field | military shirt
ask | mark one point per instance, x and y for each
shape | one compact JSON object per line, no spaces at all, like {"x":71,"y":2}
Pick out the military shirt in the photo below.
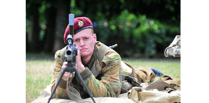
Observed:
{"x":101,"y":75}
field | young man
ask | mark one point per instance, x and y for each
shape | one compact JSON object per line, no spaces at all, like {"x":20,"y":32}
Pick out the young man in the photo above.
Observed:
{"x":98,"y":65}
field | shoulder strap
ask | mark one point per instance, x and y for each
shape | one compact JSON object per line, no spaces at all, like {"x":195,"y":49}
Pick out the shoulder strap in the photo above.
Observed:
{"x":73,"y":94}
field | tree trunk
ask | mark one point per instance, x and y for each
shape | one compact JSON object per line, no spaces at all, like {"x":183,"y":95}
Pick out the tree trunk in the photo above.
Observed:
{"x":27,"y":44}
{"x":61,"y":23}
{"x":34,"y":30}
{"x":49,"y":36}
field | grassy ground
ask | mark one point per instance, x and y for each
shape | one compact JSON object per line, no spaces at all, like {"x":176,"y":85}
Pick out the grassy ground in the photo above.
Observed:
{"x":39,"y":74}
{"x":167,"y":68}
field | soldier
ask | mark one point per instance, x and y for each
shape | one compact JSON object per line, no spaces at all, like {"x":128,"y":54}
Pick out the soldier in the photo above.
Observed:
{"x":98,"y":65}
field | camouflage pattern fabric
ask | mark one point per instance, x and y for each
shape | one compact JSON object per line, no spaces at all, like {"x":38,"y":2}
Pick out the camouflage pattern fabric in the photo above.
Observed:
{"x":101,"y":75}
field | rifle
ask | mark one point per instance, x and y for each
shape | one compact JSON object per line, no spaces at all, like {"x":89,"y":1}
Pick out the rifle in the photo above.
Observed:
{"x":70,"y":58}
{"x":132,"y":81}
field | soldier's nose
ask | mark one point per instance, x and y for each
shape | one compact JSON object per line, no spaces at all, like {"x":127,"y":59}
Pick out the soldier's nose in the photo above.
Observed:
{"x":82,"y":43}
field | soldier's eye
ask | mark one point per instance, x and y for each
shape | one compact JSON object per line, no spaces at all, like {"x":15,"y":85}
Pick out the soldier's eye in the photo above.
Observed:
{"x":76,"y":40}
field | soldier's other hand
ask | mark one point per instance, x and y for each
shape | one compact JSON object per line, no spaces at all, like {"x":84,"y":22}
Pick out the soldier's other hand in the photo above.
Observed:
{"x":79,"y":65}
{"x":66,"y":73}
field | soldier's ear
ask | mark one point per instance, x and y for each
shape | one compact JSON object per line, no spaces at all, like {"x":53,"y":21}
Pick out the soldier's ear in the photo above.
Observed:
{"x":95,"y":37}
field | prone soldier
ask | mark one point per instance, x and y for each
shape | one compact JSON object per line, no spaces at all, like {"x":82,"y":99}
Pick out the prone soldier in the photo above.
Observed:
{"x":100,"y":67}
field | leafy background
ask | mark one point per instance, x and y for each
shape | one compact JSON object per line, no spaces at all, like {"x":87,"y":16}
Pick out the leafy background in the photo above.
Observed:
{"x":141,"y":28}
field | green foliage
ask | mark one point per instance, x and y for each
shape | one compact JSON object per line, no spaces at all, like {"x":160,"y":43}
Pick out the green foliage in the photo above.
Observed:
{"x":42,"y":19}
{"x":144,"y":26}
{"x":103,"y":32}
{"x":137,"y":30}
{"x":74,"y":9}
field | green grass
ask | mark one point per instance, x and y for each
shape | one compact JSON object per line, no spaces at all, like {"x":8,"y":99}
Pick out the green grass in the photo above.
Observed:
{"x":39,"y":55}
{"x":39,"y":74}
{"x":167,"y":68}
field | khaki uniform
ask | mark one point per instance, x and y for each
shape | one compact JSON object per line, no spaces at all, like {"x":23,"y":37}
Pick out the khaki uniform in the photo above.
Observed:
{"x":101,"y":75}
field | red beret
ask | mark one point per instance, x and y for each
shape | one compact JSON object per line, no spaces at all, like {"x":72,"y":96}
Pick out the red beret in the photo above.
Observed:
{"x":80,"y":23}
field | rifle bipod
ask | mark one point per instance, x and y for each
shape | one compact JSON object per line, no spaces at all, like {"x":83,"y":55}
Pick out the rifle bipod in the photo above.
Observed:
{"x":71,"y":69}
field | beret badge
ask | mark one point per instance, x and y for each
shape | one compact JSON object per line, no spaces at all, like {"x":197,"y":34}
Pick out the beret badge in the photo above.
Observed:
{"x":80,"y":23}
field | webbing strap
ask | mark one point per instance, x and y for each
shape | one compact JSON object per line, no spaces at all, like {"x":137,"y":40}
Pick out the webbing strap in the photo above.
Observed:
{"x":73,"y":94}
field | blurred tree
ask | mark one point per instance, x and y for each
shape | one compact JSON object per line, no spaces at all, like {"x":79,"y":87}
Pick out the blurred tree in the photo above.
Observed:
{"x":32,"y":14}
{"x":46,"y":21}
{"x":63,"y":8}
{"x":99,"y":10}
{"x":167,"y":11}
{"x":49,"y":35}
{"x":146,"y":26}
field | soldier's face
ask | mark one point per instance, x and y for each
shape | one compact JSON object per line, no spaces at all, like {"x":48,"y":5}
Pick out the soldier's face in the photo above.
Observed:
{"x":85,"y":41}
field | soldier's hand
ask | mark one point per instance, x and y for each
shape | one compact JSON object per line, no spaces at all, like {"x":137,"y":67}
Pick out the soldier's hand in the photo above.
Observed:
{"x":66,"y":73}
{"x":79,"y":65}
